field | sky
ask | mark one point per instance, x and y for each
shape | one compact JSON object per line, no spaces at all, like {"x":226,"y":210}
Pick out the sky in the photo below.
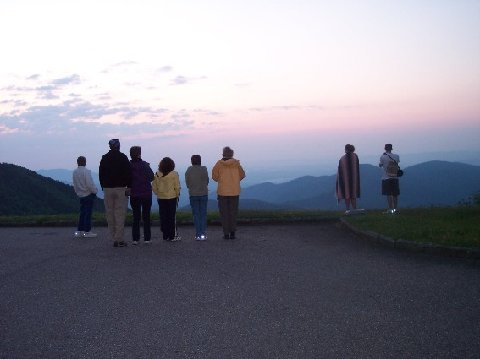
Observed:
{"x":285,"y":83}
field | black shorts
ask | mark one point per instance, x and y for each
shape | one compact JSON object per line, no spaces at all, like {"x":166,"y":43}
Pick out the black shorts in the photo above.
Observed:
{"x":390,"y":187}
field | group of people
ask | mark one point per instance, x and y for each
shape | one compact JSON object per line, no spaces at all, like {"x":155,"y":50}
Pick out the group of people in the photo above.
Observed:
{"x":121,"y":179}
{"x":348,"y":178}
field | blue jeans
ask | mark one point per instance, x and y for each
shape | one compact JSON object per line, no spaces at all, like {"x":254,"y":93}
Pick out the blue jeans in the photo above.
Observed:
{"x":199,"y":211}
{"x":85,"y":218}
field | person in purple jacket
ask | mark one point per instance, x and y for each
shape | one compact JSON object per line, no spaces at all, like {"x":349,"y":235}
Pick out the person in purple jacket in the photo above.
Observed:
{"x":140,"y":195}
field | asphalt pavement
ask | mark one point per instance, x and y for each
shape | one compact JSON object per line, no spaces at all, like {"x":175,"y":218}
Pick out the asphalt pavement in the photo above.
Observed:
{"x":277,"y":291}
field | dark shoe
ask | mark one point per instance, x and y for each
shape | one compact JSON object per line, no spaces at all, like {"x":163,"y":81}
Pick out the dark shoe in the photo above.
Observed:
{"x":226,"y":236}
{"x":122,"y":244}
{"x":115,"y":244}
{"x":232,"y":235}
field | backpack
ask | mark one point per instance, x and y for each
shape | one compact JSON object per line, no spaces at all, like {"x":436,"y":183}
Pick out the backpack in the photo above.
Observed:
{"x":392,"y":168}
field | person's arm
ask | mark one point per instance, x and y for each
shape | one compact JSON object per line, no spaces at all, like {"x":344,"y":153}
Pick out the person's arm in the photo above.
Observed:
{"x":205,"y":175}
{"x":187,"y":178}
{"x":148,"y":171}
{"x":155,"y":184}
{"x":89,"y":182}
{"x":241,"y":171}
{"x":101,"y":174}
{"x":215,"y":173}
{"x":177,"y":185}
{"x":127,"y":168}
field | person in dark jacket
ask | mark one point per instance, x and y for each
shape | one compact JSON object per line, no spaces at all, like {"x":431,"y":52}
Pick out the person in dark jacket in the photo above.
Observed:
{"x":140,"y":195}
{"x":115,"y":177}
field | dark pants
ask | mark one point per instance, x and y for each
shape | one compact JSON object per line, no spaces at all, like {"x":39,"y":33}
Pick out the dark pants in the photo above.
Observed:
{"x":141,"y":211}
{"x":390,"y":187}
{"x":168,"y":210}
{"x":228,"y":208}
{"x":85,"y":218}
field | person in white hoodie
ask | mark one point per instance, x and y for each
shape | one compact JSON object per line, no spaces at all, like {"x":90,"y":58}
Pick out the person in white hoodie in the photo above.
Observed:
{"x":87,"y":192}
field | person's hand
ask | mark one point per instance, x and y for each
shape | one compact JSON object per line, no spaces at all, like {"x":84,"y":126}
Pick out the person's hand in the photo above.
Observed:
{"x":128,"y":191}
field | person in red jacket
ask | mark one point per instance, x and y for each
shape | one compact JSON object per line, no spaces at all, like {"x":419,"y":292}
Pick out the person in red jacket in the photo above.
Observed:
{"x":228,"y":173}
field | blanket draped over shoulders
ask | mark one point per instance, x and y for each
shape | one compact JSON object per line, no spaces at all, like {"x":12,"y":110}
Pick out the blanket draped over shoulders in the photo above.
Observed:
{"x":348,"y":177}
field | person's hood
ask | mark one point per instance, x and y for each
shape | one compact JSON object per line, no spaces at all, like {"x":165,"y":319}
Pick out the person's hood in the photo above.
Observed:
{"x":230,"y":162}
{"x":160,"y":174}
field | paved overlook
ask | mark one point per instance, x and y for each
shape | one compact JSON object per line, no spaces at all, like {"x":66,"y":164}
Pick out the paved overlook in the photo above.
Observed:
{"x":278,"y":291}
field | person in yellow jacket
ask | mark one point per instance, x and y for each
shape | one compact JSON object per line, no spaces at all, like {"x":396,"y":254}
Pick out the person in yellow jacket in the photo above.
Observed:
{"x":166,"y":185}
{"x":228,"y":173}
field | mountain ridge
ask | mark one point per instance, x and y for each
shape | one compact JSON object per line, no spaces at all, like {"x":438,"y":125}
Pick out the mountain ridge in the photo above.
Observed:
{"x":24,"y":192}
{"x":432,"y":183}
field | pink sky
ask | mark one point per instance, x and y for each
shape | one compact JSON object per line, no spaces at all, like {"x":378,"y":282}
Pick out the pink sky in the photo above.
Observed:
{"x":291,"y":80}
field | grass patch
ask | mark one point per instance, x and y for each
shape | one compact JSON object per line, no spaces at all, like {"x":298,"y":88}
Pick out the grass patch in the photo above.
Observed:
{"x":457,"y":227}
{"x":183,"y":217}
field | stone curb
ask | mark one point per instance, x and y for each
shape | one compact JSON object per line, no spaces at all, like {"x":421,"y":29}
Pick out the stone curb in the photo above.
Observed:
{"x":420,"y":247}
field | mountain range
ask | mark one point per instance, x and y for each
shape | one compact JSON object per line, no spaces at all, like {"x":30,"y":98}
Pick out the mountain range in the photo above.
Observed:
{"x":24,"y":192}
{"x":433,"y":183}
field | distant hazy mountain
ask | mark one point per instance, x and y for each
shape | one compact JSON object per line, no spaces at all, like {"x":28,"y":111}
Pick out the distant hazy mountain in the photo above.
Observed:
{"x":24,"y":192}
{"x":433,"y":183}
{"x":61,"y":175}
{"x":65,"y":176}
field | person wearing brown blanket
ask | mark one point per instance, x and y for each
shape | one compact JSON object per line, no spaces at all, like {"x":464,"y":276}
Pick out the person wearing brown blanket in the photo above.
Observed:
{"x":348,"y":178}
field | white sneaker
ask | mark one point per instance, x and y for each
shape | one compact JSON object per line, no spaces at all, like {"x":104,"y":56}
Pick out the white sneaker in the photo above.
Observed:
{"x":89,"y":235}
{"x":78,"y":234}
{"x":135,"y":243}
{"x":203,"y":237}
{"x":176,"y":239}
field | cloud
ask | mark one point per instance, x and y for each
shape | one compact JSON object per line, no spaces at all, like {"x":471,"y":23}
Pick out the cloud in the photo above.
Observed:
{"x":15,"y":103}
{"x":119,"y":65}
{"x":77,"y":113}
{"x":33,"y":77}
{"x":164,"y":69}
{"x":179,"y":80}
{"x":73,"y":79}
{"x":182,"y":80}
{"x":47,"y":92}
{"x":207,"y":112}
{"x":125,"y":64}
{"x":4,"y":130}
{"x":44,"y":90}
